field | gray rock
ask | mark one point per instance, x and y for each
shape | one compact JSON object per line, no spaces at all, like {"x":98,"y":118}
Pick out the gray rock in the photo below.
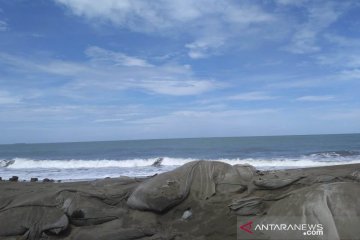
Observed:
{"x":100,"y":209}
{"x":34,"y":179}
{"x":187,"y":215}
{"x":112,"y":230}
{"x":32,"y":221}
{"x":246,"y":171}
{"x":324,"y":178}
{"x":275,"y":183}
{"x":48,"y":180}
{"x":14,"y":179}
{"x":201,"y":179}
{"x":334,"y":205}
{"x":247,"y":206}
{"x":158,"y":162}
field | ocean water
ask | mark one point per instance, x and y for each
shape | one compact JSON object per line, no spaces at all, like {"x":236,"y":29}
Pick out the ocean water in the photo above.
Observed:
{"x":91,"y":160}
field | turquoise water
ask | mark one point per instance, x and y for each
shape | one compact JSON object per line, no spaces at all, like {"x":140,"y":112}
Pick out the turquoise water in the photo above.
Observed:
{"x":89,"y":160}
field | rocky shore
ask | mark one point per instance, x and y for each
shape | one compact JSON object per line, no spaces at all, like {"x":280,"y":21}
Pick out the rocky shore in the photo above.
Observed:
{"x":200,"y":200}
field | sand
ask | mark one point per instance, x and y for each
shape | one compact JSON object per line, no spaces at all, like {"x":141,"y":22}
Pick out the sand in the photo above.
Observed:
{"x":199,"y":200}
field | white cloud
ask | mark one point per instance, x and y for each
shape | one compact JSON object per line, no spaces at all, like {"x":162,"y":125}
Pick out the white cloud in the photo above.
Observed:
{"x":343,"y":41}
{"x":209,"y":23}
{"x":324,"y":98}
{"x":32,"y":112}
{"x":291,"y":2}
{"x":212,"y":25}
{"x":350,"y":74}
{"x":290,"y":81}
{"x":320,"y":15}
{"x":202,"y":48}
{"x":206,"y":123}
{"x":223,"y":113}
{"x":200,"y":117}
{"x":3,"y":26}
{"x":110,"y":70}
{"x":252,"y":96}
{"x":8,"y":99}
{"x":105,"y":120}
{"x":349,"y":59}
{"x":116,"y":58}
{"x":147,"y":16}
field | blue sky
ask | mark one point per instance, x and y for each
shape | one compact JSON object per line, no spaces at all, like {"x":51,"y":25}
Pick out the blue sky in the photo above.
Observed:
{"x":82,"y":70}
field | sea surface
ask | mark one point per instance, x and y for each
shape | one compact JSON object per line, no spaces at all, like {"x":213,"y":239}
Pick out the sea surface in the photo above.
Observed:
{"x":91,"y":160}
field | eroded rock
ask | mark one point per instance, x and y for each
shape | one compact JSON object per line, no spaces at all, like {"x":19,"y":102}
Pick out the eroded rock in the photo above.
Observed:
{"x":275,"y":183}
{"x":32,"y":221}
{"x":247,"y":206}
{"x":201,"y":179}
{"x":334,"y":205}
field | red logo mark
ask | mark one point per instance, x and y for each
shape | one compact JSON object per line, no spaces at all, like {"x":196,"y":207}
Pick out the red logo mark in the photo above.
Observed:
{"x":247,"y":227}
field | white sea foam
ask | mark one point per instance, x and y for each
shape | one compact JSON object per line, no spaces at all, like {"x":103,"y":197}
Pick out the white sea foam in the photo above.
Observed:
{"x":305,"y":161}
{"x":74,"y":170}
{"x":22,"y":163}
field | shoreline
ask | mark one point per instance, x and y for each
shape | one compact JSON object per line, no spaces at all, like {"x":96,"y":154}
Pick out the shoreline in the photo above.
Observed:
{"x":151,"y":170}
{"x":200,"y":198}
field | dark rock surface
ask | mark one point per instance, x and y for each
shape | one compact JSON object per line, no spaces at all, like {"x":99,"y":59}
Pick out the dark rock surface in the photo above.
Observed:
{"x":34,"y":179}
{"x":14,"y":179}
{"x":48,"y":180}
{"x":157,"y":162}
{"x":197,"y":201}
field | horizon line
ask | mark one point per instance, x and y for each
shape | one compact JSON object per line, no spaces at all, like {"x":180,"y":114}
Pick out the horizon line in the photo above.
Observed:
{"x":180,"y":138}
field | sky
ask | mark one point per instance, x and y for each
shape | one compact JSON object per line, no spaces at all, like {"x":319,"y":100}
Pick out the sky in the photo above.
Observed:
{"x":84,"y":70}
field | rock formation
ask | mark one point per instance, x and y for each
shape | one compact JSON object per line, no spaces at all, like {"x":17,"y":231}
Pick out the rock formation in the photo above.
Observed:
{"x":199,"y":200}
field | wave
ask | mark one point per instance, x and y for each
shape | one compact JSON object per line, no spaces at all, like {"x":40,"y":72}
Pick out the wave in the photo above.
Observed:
{"x":22,"y":163}
{"x":334,"y":154}
{"x":303,"y":161}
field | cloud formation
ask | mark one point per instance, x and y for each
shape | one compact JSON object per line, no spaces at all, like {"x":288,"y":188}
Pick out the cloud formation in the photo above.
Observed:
{"x":320,"y":15}
{"x":207,"y":23}
{"x":117,"y":71}
{"x":211,"y":25}
{"x":7,"y":98}
{"x":324,"y":98}
{"x":252,"y":96}
{"x":118,"y":59}
{"x":3,"y":26}
{"x":149,"y":16}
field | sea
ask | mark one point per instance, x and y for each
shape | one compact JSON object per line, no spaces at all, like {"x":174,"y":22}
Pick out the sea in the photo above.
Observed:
{"x":93,"y":160}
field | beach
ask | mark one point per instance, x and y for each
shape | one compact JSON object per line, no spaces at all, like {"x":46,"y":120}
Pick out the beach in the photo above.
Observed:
{"x":200,"y":200}
{"x":77,"y":161}
{"x":179,"y":120}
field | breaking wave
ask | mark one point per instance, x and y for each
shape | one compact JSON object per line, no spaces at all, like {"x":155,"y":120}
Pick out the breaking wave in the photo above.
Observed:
{"x":335,"y":154}
{"x":311,"y":160}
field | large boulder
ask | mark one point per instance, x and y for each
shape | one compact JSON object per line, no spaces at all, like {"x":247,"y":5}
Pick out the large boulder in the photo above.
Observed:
{"x":33,"y":210}
{"x":32,"y":221}
{"x":334,"y":205}
{"x":200,"y":179}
